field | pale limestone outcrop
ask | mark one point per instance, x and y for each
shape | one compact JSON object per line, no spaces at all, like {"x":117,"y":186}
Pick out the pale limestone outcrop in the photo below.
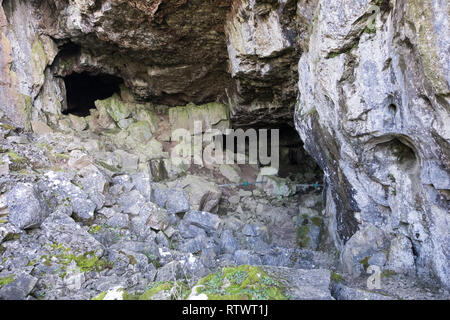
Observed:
{"x":261,"y":42}
{"x":371,"y":87}
{"x":24,"y":57}
{"x":373,"y":112}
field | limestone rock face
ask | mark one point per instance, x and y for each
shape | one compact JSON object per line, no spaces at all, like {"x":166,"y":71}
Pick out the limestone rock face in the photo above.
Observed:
{"x":174,"y":52}
{"x":24,"y":57}
{"x":27,"y":208}
{"x":373,"y":112}
{"x":366,"y":83}
{"x":262,"y":41}
{"x":168,"y":50}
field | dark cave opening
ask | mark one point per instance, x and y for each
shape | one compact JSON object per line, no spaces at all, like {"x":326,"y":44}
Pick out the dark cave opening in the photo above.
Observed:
{"x":294,"y":162}
{"x":83,"y":89}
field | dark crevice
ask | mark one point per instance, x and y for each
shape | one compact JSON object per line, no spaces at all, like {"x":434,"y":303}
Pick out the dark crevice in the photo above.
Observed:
{"x":294,"y":162}
{"x":69,"y":49}
{"x":393,"y":108}
{"x":83,"y":89}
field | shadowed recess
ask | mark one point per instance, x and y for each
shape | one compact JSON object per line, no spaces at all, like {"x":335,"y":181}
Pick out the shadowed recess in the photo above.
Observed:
{"x":83,"y":89}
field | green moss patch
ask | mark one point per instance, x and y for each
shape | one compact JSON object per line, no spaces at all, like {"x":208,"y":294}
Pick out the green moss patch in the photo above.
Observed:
{"x":176,"y":290}
{"x":101,"y":296}
{"x":241,"y":283}
{"x":336,"y":277}
{"x":303,"y":238}
{"x":15,"y":157}
{"x":388,"y":273}
{"x":7,"y":280}
{"x":94,"y":229}
{"x":63,"y":256}
{"x":365,"y":262}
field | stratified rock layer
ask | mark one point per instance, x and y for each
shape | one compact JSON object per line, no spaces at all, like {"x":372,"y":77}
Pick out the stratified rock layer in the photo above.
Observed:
{"x":373,"y":112}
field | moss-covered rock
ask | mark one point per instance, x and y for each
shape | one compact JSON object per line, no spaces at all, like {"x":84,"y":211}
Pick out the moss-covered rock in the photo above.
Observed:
{"x":277,"y":187}
{"x":64,"y":256}
{"x":239,"y":283}
{"x":212,"y":116}
{"x":139,"y":132}
{"x":164,"y":290}
{"x":148,"y":116}
{"x":115,"y":107}
{"x":303,"y":238}
{"x":7,"y":280}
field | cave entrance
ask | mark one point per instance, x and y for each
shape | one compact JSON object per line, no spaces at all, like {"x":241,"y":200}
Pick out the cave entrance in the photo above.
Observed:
{"x":294,"y":162}
{"x":83,"y":89}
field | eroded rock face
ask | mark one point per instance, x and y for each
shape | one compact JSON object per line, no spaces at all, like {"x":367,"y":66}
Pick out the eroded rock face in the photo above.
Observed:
{"x":173,"y":51}
{"x":373,"y":112}
{"x":24,"y":57}
{"x":370,"y":92}
{"x":261,"y":41}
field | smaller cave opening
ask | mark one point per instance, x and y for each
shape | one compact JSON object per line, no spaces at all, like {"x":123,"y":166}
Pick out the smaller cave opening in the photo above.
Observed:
{"x":403,"y":154}
{"x":83,"y":89}
{"x":397,"y":152}
{"x":294,"y":162}
{"x":393,"y":109}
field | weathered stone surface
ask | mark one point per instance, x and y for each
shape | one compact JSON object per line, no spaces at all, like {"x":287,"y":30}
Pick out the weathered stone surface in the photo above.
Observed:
{"x":205,"y":220}
{"x":401,"y":256}
{"x":276,"y":186}
{"x":228,"y":243}
{"x":19,"y":85}
{"x":372,"y":112}
{"x":261,"y":42}
{"x":303,"y":284}
{"x":203,"y":195}
{"x":342,"y":292}
{"x":176,"y":202}
{"x":136,"y":37}
{"x":210,"y":116}
{"x":27,"y":208}
{"x":232,"y":173}
{"x":62,"y":229}
{"x":158,"y":218}
{"x":372,"y":108}
{"x":72,"y":196}
{"x":361,"y":247}
{"x":19,"y":289}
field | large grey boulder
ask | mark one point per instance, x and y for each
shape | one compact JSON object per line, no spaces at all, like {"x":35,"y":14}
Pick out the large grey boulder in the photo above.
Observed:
{"x":228,"y":244}
{"x":62,"y":229}
{"x":158,"y":218}
{"x":177,"y":202}
{"x":173,"y":200}
{"x":63,"y":191}
{"x":202,"y":194}
{"x":132,"y":202}
{"x":27,"y":208}
{"x":205,"y":220}
{"x":303,"y":284}
{"x":19,"y":288}
{"x":343,"y":292}
{"x":360,"y":250}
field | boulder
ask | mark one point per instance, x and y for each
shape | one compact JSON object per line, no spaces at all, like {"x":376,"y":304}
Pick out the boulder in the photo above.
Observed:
{"x":20,"y":287}
{"x":204,"y":220}
{"x":27,"y":208}
{"x":203,"y":195}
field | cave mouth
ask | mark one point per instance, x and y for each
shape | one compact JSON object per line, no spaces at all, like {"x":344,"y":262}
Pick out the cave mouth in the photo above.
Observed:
{"x":83,"y":89}
{"x":294,"y":162}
